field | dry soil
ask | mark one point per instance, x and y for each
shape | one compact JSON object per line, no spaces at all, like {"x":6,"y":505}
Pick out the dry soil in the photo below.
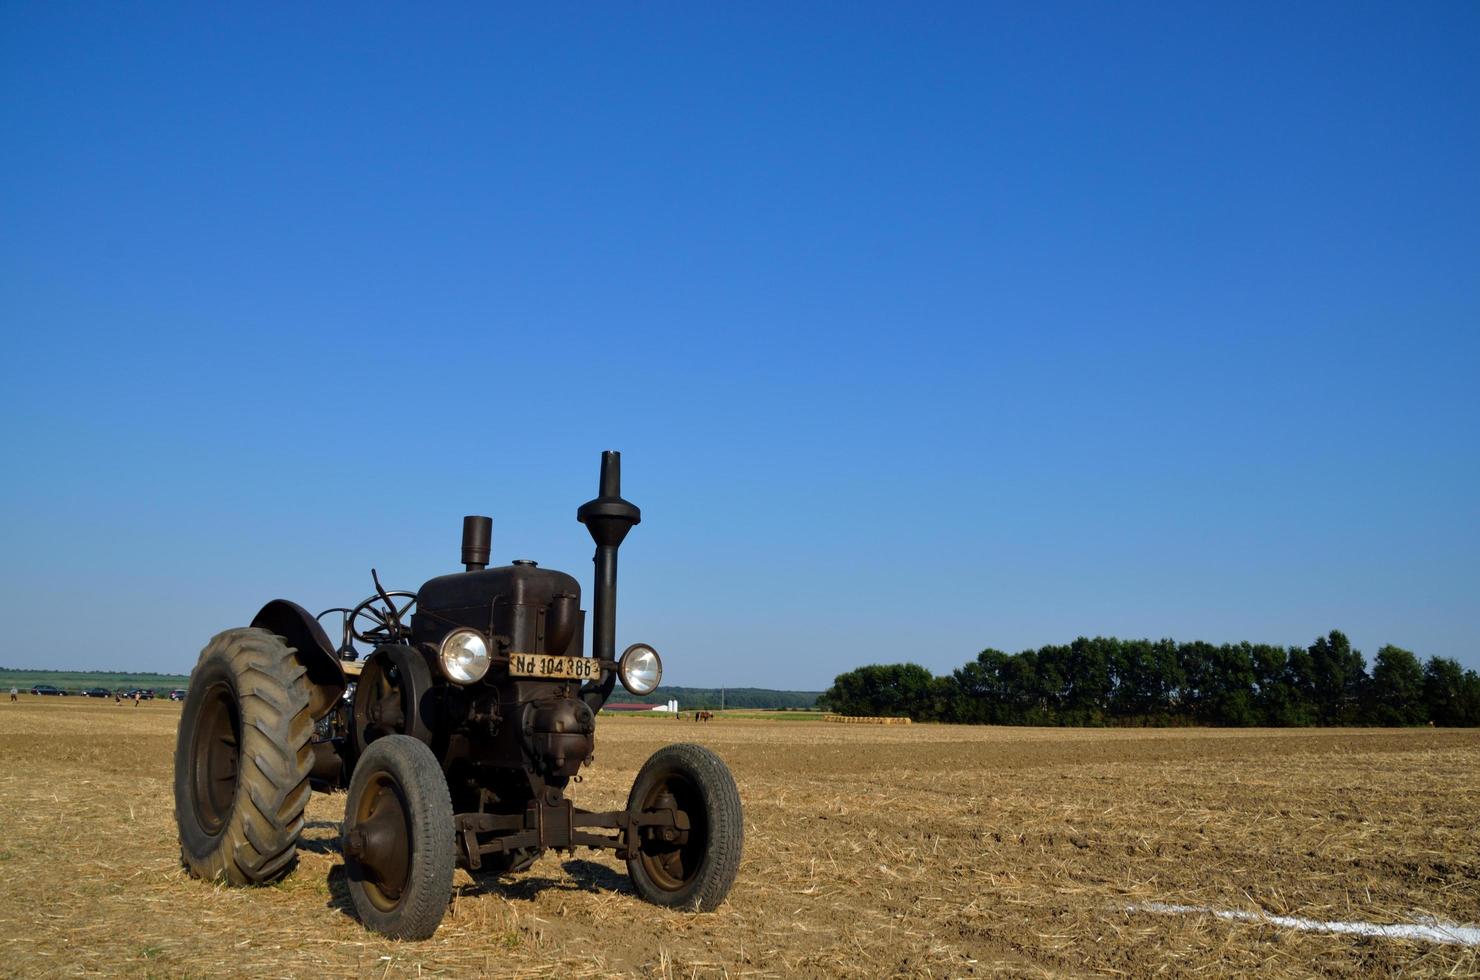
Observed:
{"x":869,"y":851}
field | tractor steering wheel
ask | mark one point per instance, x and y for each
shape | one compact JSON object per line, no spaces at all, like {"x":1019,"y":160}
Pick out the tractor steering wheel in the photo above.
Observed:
{"x":382,"y":617}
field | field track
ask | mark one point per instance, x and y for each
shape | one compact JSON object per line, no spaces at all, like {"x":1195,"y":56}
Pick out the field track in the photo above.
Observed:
{"x":870,"y":850}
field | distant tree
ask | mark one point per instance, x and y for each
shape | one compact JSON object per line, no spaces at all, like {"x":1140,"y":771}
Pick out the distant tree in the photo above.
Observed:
{"x":979,"y":697}
{"x":1106,"y":680}
{"x":1088,"y":681}
{"x":1196,"y":661}
{"x":1018,"y":689}
{"x":1469,"y":699}
{"x":1228,"y":696}
{"x":943,"y":699}
{"x":1033,"y":682}
{"x":1273,"y":695}
{"x":885,"y":689}
{"x":1339,"y":674}
{"x":1300,"y":688}
{"x":1395,"y":693}
{"x":849,"y":694}
{"x":1146,"y":677}
{"x":1444,"y":692}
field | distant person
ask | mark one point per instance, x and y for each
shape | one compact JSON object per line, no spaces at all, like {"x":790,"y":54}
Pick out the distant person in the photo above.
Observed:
{"x":117,"y":698}
{"x":137,"y":698}
{"x":13,"y":693}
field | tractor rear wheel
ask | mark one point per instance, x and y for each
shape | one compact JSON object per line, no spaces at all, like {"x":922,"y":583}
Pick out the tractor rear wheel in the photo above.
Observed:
{"x":690,"y":868}
{"x":398,"y":838}
{"x":242,"y":758}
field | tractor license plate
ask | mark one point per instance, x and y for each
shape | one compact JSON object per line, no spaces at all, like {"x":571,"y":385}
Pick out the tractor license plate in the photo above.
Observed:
{"x":539,"y":665}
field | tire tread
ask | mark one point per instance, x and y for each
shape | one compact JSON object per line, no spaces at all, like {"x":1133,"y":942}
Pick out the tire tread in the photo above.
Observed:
{"x":725,"y":820}
{"x":259,"y":841}
{"x":429,"y":887}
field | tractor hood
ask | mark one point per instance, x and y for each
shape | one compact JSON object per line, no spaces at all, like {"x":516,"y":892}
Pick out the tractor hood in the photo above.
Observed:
{"x":532,"y":609}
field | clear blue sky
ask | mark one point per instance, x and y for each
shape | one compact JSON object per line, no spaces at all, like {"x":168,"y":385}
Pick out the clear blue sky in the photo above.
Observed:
{"x":921,"y":330}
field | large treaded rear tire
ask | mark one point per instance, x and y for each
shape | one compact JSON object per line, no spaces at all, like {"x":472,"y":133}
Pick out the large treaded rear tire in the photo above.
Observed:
{"x":696,"y":874}
{"x":242,"y":759}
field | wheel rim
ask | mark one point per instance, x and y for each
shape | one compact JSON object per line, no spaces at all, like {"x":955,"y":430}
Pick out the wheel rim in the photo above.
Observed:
{"x":382,"y":703}
{"x":381,"y":835}
{"x":216,"y":756}
{"x":673,"y":864}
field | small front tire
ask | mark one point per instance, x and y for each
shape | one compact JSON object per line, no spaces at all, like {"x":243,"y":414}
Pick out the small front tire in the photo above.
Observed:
{"x":398,"y":839}
{"x":694,"y":871}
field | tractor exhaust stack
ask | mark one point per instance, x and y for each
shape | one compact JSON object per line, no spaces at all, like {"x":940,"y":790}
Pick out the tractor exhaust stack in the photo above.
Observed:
{"x":608,"y":518}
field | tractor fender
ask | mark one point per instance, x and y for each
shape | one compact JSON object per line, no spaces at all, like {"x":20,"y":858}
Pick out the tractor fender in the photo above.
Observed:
{"x":312,"y":649}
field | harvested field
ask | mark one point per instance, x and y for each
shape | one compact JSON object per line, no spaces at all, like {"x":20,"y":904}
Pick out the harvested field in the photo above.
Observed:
{"x":871,"y":850}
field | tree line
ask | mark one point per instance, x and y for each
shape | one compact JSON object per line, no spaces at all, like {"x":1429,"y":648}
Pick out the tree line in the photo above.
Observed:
{"x":712,"y":698}
{"x":1108,"y":681}
{"x":77,"y":680}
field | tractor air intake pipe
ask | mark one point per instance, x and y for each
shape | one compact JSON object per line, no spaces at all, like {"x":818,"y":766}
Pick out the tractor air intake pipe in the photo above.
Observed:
{"x":477,"y":542}
{"x":608,"y":518}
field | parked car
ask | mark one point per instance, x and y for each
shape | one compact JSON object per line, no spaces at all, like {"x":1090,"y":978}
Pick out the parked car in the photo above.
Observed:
{"x":48,"y":689}
{"x":177,"y":695}
{"x":96,"y":692}
{"x":143,"y":693}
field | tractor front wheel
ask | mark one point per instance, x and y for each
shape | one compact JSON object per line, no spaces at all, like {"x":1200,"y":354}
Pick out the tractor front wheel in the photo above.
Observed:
{"x":242,"y":758}
{"x":398,"y":838}
{"x":688,"y":867}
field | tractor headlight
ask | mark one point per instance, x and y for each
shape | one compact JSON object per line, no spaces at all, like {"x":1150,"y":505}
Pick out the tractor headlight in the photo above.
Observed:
{"x":464,"y":656}
{"x":640,"y":669}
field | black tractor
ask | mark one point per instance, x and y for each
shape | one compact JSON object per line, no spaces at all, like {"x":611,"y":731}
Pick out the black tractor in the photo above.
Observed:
{"x":456,"y":736}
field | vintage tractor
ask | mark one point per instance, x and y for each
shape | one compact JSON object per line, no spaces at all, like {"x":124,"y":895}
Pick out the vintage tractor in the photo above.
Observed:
{"x":456,"y":737}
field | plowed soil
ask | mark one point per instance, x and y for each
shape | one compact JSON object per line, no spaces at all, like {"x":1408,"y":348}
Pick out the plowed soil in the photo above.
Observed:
{"x":870,"y":851}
